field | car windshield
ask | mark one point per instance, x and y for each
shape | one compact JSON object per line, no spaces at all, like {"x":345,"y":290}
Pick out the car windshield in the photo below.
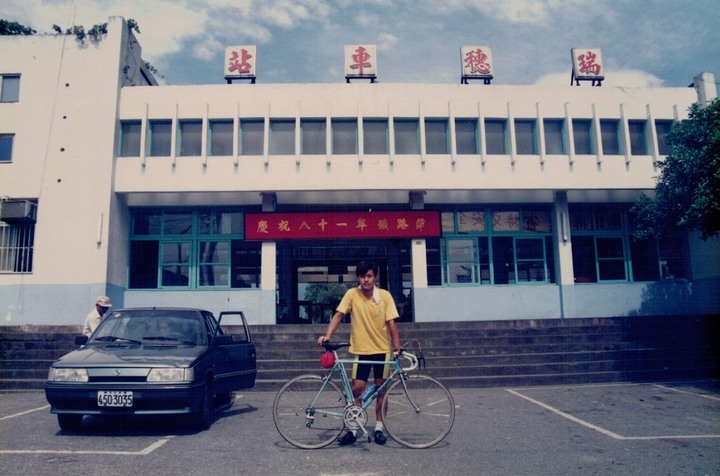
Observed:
{"x":146,"y":328}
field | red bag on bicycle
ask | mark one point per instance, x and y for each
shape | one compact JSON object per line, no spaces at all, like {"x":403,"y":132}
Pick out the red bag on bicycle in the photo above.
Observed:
{"x":327,"y":360}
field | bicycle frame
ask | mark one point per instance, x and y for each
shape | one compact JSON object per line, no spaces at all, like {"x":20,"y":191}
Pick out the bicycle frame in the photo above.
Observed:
{"x":339,"y":367}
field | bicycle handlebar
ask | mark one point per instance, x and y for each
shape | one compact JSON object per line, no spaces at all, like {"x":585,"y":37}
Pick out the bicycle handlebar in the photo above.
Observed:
{"x":407,"y":355}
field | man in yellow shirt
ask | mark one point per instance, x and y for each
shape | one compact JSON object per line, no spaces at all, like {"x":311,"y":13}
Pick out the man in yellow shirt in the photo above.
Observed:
{"x":372,"y":330}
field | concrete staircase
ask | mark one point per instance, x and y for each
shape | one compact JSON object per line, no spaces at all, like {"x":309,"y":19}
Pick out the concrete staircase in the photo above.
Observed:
{"x":460,"y":354}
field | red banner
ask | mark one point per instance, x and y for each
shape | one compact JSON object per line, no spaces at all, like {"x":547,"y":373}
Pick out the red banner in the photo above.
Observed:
{"x":332,"y":225}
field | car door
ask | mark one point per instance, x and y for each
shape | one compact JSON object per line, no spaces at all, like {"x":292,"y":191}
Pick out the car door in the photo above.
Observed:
{"x":234,"y":358}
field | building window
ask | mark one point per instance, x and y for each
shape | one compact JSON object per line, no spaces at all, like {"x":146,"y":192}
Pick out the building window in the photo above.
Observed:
{"x":609,"y":136}
{"x":10,"y":91}
{"x":16,"y":247}
{"x":525,"y":143}
{"x":6,"y":147}
{"x":493,"y":246}
{"x":662,"y":129}
{"x":130,"y":138}
{"x":282,"y":136}
{"x":466,"y":138}
{"x":194,"y":249}
{"x":190,"y":139}
{"x":599,"y":243}
{"x":582,"y":137}
{"x":344,"y":136}
{"x":160,"y":138}
{"x":495,"y":136}
{"x":221,"y":137}
{"x":406,"y":136}
{"x":436,"y":136}
{"x":375,"y":136}
{"x":638,"y":144}
{"x":554,"y":137}
{"x":252,"y":136}
{"x":314,"y":136}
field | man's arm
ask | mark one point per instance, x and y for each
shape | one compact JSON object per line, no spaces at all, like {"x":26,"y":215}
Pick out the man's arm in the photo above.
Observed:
{"x":394,"y":334}
{"x":332,"y":327}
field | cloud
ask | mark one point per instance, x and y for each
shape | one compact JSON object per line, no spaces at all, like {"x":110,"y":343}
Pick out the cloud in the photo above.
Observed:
{"x":514,"y":11}
{"x":386,"y":41}
{"x":629,"y":78}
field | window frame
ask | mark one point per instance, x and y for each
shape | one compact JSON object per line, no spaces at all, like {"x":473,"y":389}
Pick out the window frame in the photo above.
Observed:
{"x":222,"y":138}
{"x":344,"y":141}
{"x":663,"y":128}
{"x":248,"y":143}
{"x":162,"y":145}
{"x":17,"y":248}
{"x":313,"y":136}
{"x":637,"y":131}
{"x":437,"y":140}
{"x":492,"y":145}
{"x":583,"y":143}
{"x":375,"y":140}
{"x":130,"y":138}
{"x":554,"y":132}
{"x":10,"y":88}
{"x":406,"y":131}
{"x":464,"y":136}
{"x":7,"y":144}
{"x":610,"y":136}
{"x":282,"y":136}
{"x":526,"y":144}
{"x":190,"y":133}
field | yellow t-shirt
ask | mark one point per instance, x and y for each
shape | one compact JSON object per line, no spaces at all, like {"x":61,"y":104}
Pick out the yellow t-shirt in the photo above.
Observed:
{"x":368,"y":324}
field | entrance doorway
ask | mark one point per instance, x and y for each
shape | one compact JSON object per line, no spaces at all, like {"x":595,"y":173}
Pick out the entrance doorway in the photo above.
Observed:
{"x":313,"y":276}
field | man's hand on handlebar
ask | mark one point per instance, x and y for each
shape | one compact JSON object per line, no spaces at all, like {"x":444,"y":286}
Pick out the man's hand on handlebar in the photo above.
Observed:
{"x":321,"y":340}
{"x":397,"y":353}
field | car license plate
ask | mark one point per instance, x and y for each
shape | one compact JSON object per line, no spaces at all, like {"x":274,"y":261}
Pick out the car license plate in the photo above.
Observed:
{"x":114,"y":399}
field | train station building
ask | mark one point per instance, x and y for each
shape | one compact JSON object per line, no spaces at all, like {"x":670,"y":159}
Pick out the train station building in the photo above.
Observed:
{"x":478,"y":200}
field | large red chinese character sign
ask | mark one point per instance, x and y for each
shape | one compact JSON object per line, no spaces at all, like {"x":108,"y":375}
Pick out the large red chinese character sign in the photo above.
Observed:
{"x":335,"y":225}
{"x":476,"y":63}
{"x":240,"y":62}
{"x":587,"y":66}
{"x":360,"y":61}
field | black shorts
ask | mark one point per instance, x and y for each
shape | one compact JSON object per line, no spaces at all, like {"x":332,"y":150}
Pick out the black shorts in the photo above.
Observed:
{"x":362,"y":371}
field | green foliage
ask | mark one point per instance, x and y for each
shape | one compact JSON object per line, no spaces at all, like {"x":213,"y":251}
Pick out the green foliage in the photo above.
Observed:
{"x":320,"y":293}
{"x":687,"y":194}
{"x":9,"y":28}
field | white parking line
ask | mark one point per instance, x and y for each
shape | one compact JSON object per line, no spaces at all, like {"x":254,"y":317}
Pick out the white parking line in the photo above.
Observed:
{"x":25,"y":412}
{"x":145,"y":451}
{"x":710,"y":397}
{"x":603,"y":430}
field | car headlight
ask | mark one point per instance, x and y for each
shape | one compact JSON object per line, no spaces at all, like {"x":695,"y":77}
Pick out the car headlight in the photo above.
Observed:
{"x":67,"y":375}
{"x":171,"y":375}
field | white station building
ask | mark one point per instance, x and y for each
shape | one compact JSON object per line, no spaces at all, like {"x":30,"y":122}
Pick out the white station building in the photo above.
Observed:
{"x":479,"y":201}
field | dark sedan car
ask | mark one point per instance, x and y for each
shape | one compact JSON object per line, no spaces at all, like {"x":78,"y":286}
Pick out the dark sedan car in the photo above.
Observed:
{"x":155,"y":361}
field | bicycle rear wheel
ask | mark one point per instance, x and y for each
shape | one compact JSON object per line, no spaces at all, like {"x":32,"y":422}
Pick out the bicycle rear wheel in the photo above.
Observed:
{"x":301,"y":411}
{"x":420,"y":417}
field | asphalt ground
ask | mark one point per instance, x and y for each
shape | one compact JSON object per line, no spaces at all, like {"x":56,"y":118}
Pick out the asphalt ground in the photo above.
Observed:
{"x":635,"y":429}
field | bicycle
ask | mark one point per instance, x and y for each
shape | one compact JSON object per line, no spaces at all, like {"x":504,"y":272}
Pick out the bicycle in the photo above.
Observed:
{"x":310,"y":411}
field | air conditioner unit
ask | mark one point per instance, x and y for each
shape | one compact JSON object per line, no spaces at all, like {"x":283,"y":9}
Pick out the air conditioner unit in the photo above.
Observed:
{"x":18,"y":211}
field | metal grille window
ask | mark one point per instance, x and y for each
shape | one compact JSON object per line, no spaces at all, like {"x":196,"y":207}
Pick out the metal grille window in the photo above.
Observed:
{"x":16,"y":248}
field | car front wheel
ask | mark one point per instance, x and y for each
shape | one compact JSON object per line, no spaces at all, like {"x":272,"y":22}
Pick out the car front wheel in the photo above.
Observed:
{"x":201,"y":419}
{"x":69,"y":422}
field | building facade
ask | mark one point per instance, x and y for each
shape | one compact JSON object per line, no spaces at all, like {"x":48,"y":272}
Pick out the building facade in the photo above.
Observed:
{"x":479,"y":202}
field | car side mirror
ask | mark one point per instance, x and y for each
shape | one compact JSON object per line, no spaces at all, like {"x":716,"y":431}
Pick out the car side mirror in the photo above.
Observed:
{"x":81,"y":340}
{"x":223,"y":339}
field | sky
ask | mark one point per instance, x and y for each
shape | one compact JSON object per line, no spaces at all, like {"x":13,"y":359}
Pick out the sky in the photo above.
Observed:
{"x":644,"y":43}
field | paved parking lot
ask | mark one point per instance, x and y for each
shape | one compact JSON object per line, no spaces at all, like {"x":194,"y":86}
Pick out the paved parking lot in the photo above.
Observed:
{"x":669,"y":428}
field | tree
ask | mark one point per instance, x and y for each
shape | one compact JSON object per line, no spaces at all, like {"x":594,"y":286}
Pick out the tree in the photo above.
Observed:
{"x":687,"y":193}
{"x":14,"y":28}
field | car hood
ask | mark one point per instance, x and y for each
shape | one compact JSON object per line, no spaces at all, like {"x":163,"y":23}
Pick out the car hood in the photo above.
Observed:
{"x":113,"y":355}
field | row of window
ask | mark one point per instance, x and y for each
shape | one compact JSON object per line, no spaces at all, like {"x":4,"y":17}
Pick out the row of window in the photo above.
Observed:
{"x":9,"y":92}
{"x":516,"y":247}
{"x":345,"y":136}
{"x":204,"y":248}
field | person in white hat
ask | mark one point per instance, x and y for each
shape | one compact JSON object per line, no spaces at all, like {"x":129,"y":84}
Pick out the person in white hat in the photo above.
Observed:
{"x":102,"y":304}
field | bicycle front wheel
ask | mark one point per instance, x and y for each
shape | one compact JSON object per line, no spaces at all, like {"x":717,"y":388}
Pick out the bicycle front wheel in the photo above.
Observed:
{"x":419,"y":414}
{"x":308,"y":411}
